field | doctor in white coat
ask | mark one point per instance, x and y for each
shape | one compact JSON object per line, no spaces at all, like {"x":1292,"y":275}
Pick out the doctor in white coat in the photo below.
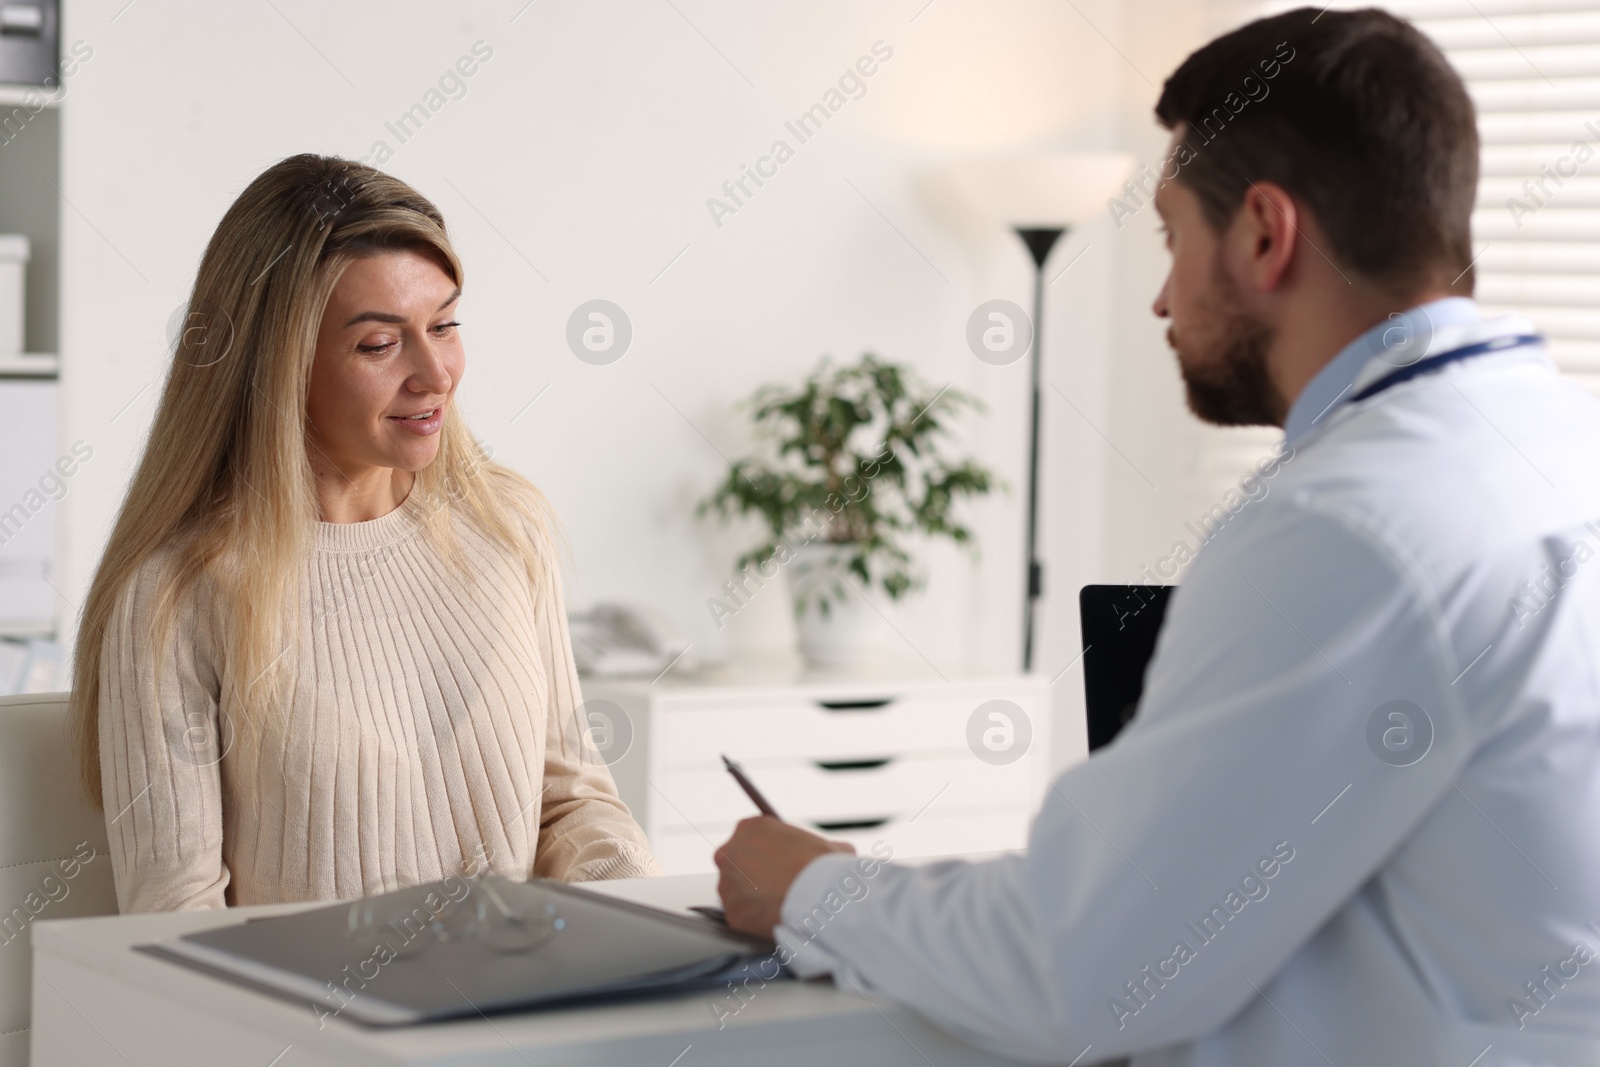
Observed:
{"x":1356,"y":820}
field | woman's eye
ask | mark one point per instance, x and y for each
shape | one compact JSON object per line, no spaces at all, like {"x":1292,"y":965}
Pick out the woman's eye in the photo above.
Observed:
{"x":441,"y":330}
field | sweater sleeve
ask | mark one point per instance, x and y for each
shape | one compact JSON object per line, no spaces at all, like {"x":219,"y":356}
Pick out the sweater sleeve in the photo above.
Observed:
{"x":160,"y":754}
{"x":586,"y":832}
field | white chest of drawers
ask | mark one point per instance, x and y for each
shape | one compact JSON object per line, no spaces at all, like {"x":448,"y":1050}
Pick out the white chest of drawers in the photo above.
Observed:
{"x":933,"y":763}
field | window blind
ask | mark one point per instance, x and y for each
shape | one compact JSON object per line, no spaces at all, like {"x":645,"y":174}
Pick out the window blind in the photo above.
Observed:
{"x":1533,"y":70}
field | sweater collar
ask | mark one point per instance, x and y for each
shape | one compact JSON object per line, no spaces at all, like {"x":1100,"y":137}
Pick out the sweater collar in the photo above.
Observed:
{"x":398,"y":525}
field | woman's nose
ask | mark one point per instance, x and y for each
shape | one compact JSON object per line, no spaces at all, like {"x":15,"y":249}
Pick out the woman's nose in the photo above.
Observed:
{"x":431,"y":373}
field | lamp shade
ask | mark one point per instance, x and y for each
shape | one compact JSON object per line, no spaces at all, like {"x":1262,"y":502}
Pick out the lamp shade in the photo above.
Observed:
{"x":1044,"y":189}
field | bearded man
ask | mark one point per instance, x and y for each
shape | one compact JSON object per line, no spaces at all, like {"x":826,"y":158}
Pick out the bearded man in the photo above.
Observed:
{"x":1356,"y":818}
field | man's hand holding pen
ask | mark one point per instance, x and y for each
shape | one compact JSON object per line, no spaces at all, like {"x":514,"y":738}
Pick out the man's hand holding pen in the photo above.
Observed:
{"x":759,"y":863}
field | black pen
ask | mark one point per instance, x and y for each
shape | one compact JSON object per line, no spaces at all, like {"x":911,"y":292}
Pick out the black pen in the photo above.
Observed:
{"x":749,"y":788}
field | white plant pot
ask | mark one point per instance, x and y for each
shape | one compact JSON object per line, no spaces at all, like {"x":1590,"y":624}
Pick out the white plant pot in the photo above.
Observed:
{"x":850,"y":632}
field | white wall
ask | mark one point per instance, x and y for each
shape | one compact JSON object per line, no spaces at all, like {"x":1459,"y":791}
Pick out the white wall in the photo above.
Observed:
{"x":584,"y":151}
{"x":1171,"y":468}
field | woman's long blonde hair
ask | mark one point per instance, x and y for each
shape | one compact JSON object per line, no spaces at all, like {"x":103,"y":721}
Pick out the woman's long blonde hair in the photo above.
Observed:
{"x":224,"y":491}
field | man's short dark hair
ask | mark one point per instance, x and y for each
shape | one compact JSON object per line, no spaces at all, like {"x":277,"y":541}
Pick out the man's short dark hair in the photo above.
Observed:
{"x":1356,"y":114}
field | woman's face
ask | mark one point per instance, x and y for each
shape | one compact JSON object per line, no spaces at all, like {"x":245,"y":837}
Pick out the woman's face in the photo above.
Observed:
{"x":388,"y":360}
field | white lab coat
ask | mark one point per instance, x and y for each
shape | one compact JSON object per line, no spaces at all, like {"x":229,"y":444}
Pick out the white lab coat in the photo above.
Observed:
{"x":1428,"y":546}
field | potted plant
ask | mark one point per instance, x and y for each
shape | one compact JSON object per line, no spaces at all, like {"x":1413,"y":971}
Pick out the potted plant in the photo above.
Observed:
{"x":851,"y":467}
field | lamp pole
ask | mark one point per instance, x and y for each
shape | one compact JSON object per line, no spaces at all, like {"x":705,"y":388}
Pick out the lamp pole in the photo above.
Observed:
{"x":1040,"y":240}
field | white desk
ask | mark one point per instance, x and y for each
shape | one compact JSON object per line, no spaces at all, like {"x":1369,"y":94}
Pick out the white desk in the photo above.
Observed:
{"x":96,"y":1003}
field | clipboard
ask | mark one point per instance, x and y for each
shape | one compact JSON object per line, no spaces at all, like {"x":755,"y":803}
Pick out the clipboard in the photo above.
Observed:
{"x":442,"y":958}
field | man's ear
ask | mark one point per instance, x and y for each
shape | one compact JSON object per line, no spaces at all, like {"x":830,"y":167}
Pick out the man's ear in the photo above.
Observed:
{"x":1264,"y":235}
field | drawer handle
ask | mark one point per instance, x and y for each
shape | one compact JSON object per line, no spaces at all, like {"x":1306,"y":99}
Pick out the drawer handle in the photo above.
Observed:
{"x":842,"y":825}
{"x":856,"y":705}
{"x":853,"y":764}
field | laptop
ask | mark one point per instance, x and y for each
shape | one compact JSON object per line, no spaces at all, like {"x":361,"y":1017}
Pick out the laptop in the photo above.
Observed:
{"x":1120,"y":625}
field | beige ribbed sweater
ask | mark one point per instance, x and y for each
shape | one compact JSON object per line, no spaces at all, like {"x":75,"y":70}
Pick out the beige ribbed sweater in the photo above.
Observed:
{"x":432,"y":730}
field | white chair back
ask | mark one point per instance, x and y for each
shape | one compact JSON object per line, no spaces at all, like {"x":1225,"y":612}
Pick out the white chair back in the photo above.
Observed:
{"x":54,"y":860}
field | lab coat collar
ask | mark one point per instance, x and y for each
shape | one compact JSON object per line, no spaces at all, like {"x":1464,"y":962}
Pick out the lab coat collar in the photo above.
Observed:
{"x":1398,"y":341}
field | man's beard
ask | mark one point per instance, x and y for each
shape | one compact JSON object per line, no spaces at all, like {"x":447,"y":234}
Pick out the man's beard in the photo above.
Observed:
{"x":1224,"y":368}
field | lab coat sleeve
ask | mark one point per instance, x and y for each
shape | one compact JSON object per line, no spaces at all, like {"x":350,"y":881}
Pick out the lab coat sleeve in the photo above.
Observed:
{"x":1298,"y":721}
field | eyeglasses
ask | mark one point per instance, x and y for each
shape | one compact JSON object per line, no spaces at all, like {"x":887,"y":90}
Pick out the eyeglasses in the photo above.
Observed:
{"x":503,"y":916}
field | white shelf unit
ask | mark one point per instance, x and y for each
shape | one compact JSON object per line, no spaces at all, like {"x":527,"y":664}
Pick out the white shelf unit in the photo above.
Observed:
{"x":880,"y":756}
{"x":30,"y":204}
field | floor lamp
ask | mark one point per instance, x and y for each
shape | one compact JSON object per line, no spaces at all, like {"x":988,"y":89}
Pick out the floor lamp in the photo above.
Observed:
{"x":1039,"y":197}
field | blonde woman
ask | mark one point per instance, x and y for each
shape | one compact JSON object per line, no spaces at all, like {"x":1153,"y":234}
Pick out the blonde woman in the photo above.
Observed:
{"x":325,"y":654}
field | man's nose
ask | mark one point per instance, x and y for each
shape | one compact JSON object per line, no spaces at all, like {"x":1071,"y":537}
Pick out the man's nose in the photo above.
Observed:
{"x":1160,"y":305}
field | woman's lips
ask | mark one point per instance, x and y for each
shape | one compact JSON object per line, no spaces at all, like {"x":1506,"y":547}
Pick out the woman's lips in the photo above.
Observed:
{"x":423,"y":427}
